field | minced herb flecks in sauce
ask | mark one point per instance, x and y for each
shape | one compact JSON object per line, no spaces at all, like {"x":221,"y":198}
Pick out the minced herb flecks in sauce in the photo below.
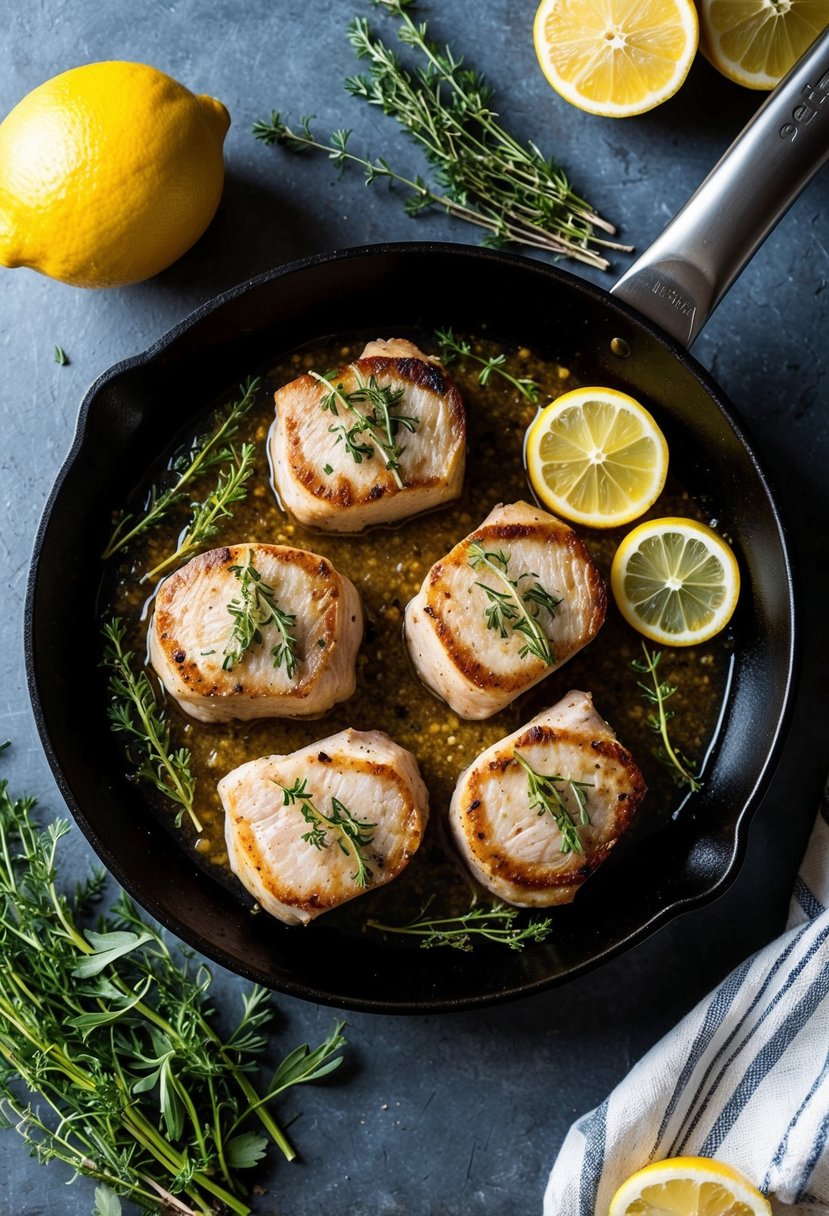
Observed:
{"x":387,"y":565}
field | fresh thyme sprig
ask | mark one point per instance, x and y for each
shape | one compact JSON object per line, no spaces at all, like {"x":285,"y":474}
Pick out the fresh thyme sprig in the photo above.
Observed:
{"x":135,"y":712}
{"x":657,"y":693}
{"x":255,"y":608}
{"x":377,"y":423}
{"x":453,"y":348}
{"x":481,"y":173}
{"x":204,"y":453}
{"x":515,"y":610}
{"x":493,"y":922}
{"x":546,"y":799}
{"x":112,"y":1032}
{"x":207,"y":514}
{"x":352,"y":835}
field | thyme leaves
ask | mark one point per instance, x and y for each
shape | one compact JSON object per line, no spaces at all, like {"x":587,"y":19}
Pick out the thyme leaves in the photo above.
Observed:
{"x":253,"y":610}
{"x":373,"y":427}
{"x":495,"y":922}
{"x":657,"y":693}
{"x":515,"y":609}
{"x":452,"y":348}
{"x":546,"y":798}
{"x":352,"y":835}
{"x":135,"y":713}
{"x":208,"y":450}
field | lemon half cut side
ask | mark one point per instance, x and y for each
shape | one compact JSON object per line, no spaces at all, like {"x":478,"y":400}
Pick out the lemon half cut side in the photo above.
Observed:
{"x":688,"y":1186}
{"x":756,"y":42}
{"x":614,"y":58}
{"x":676,"y":581}
{"x":596,"y":457}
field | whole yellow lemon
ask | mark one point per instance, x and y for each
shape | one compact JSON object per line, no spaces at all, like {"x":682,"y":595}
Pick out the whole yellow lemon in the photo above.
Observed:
{"x":108,"y":173}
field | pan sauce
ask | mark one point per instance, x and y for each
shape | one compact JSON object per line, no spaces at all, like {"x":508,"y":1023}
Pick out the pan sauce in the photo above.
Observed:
{"x":387,"y":566}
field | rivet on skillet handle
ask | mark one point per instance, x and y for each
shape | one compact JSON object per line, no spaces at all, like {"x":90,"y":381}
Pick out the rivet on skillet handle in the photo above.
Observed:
{"x":679,"y":281}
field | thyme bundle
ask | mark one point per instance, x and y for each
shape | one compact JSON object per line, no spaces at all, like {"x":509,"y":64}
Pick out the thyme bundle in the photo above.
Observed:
{"x":481,"y":174}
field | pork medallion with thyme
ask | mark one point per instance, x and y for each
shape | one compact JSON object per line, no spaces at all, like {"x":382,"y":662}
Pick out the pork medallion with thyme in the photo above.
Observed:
{"x":509,"y":604}
{"x":378,"y":440}
{"x":538,"y":812}
{"x":256,"y":631}
{"x":309,"y":831}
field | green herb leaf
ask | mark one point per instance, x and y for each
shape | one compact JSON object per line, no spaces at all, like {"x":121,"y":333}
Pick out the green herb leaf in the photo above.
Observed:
{"x":107,"y":948}
{"x":107,"y":1202}
{"x":60,"y":357}
{"x":546,"y":798}
{"x":514,"y":610}
{"x":657,"y":692}
{"x":245,"y":1151}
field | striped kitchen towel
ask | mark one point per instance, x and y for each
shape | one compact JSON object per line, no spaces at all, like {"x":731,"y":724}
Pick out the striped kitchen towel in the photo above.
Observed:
{"x":744,"y":1077}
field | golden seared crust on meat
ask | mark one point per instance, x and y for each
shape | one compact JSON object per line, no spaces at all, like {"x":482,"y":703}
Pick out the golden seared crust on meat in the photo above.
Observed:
{"x":375,"y":779}
{"x":318,"y":479}
{"x":192,"y":627}
{"x":513,"y":850}
{"x":474,"y":668}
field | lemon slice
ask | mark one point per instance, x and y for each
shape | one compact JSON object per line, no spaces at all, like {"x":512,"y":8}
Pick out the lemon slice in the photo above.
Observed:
{"x":675,"y":581}
{"x":615,"y":58}
{"x":755,"y":42}
{"x":688,"y":1186}
{"x":596,"y":457}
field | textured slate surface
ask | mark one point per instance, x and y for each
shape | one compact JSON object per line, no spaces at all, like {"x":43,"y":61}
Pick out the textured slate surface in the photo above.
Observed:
{"x":453,"y":1115}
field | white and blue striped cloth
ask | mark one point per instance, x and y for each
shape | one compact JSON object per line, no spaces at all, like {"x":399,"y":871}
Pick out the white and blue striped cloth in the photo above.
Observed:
{"x":743,"y":1078}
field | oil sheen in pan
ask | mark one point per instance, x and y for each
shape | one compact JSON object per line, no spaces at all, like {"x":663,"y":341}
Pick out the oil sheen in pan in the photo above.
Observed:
{"x":387,"y":566}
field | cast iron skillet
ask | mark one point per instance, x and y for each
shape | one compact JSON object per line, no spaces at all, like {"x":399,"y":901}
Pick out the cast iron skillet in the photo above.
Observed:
{"x":136,"y":407}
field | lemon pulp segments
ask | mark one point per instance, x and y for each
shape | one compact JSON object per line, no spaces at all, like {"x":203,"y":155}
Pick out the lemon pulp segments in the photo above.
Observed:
{"x":597,"y":457}
{"x":756,"y":42}
{"x":615,"y":58}
{"x":675,"y":580}
{"x":688,"y":1186}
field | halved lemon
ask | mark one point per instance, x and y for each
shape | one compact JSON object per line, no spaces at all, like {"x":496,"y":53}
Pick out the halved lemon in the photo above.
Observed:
{"x":688,"y":1186}
{"x":615,"y":58}
{"x":596,"y":457}
{"x":676,"y":581}
{"x":755,"y":42}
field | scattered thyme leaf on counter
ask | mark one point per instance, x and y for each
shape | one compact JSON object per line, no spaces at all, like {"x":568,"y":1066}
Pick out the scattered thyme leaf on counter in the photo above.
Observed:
{"x":452,"y":348}
{"x":376,"y":423}
{"x":481,"y":174}
{"x":61,"y":358}
{"x":515,"y":610}
{"x":204,"y":453}
{"x":135,"y":713}
{"x":545,"y":798}
{"x":657,"y":693}
{"x":207,"y":514}
{"x":255,"y":608}
{"x":112,"y":1033}
{"x":494,"y":922}
{"x":352,"y":835}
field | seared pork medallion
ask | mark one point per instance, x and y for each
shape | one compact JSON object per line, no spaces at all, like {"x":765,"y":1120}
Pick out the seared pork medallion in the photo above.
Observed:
{"x":378,"y":440}
{"x":309,"y":831}
{"x":256,"y":631}
{"x":512,"y":601}
{"x":538,"y":812}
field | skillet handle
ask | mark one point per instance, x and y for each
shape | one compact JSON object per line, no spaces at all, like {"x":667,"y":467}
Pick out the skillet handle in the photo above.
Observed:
{"x":680,"y":279}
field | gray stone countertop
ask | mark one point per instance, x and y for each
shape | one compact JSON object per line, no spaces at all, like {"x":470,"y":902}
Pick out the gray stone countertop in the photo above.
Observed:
{"x":444,"y":1115}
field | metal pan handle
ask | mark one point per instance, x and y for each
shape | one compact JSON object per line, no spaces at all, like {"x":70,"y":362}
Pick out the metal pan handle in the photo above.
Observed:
{"x":679,"y":281}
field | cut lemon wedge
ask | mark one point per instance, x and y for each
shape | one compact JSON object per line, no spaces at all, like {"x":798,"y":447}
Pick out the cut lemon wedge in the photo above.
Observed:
{"x":615,"y":58}
{"x":596,"y":457}
{"x":755,"y":42}
{"x":688,"y":1186}
{"x":675,"y":581}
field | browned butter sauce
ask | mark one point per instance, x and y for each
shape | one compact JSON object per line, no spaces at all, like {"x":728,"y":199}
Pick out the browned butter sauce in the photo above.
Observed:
{"x":387,"y":566}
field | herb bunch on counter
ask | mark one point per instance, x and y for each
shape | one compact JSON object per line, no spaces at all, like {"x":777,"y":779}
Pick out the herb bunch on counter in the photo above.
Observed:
{"x":112,"y":1032}
{"x":480,"y":173}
